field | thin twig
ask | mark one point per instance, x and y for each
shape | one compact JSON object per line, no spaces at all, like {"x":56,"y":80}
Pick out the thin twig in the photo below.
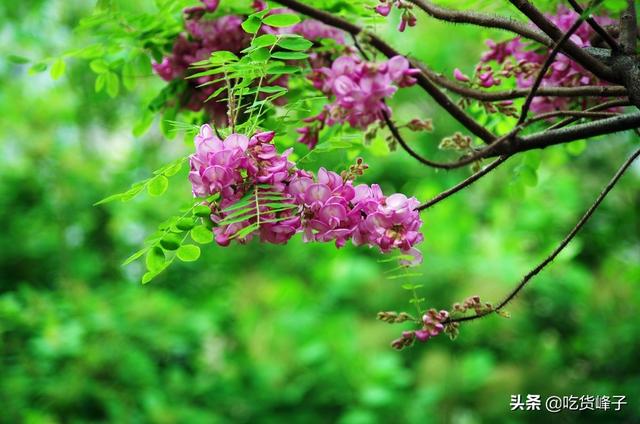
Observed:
{"x":587,"y":61}
{"x":423,"y":81}
{"x":583,"y":220}
{"x":603,"y":33}
{"x":545,"y":66}
{"x":573,"y":113}
{"x":601,"y":106}
{"x":463,"y":184}
{"x":483,"y":20}
{"x":395,"y":132}
{"x":492,"y":96}
{"x":466,"y":160}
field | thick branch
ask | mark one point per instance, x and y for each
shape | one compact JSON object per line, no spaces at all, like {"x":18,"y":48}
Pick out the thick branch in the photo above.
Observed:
{"x":548,"y":138}
{"x":423,"y":81}
{"x":587,"y":61}
{"x":483,"y":20}
{"x":561,"y":246}
{"x":629,"y":28}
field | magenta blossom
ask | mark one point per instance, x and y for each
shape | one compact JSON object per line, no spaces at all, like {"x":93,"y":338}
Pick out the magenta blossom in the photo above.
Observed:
{"x":519,"y":60}
{"x":285,"y":201}
{"x":359,"y":89}
{"x":205,"y":35}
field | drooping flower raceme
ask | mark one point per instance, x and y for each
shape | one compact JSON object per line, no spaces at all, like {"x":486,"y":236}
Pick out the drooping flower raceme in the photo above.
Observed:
{"x":325,"y":207}
{"x":519,"y":60}
{"x":359,"y":90}
{"x":205,"y":35}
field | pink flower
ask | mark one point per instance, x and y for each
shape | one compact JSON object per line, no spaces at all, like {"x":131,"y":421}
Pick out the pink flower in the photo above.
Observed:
{"x":383,"y":9}
{"x":325,"y":207}
{"x":408,"y":18}
{"x":520,"y":60}
{"x":205,"y":36}
{"x":391,"y":222}
{"x":359,"y":89}
{"x":457,"y":73}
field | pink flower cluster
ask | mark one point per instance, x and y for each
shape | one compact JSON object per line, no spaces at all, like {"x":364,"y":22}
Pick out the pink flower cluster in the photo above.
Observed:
{"x":519,"y":60}
{"x":359,"y":89}
{"x":324,"y":207}
{"x":408,"y":18}
{"x":432,"y":325}
{"x":204,"y":36}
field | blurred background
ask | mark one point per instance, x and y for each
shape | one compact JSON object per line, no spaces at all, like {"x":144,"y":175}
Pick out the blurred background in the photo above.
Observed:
{"x":265,"y":333}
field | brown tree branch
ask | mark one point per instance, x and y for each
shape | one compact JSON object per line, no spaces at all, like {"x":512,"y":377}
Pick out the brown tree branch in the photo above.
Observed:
{"x":463,"y":184}
{"x":587,"y":61}
{"x":438,"y":95}
{"x":545,"y":66}
{"x":629,"y":28}
{"x":483,"y":20}
{"x":548,"y":138}
{"x":491,"y":96}
{"x":583,"y":220}
{"x":603,"y":33}
{"x":602,"y":106}
{"x":572,"y":113}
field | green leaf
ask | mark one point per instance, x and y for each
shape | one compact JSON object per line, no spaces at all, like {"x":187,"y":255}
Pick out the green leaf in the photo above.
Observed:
{"x":155,"y":259}
{"x":245,"y":231}
{"x":142,"y":65}
{"x":168,"y":117}
{"x":20,"y":60}
{"x":260,"y":55}
{"x":148,"y":276}
{"x":265,"y":40}
{"x":289,"y":55}
{"x":99,"y":66}
{"x":294,"y":43}
{"x":158,"y":185}
{"x":281,"y":20}
{"x":202,"y":211}
{"x":173,"y":168}
{"x":188,"y":252}
{"x":57,"y":69}
{"x":529,"y":176}
{"x":280,"y":69}
{"x":577,"y":147}
{"x":128,"y":75}
{"x":127,"y":195}
{"x":185,"y":224}
{"x":135,"y":256}
{"x":221,"y":57}
{"x":201,"y":234}
{"x":251,"y":24}
{"x":38,"y":67}
{"x":170,"y":241}
{"x":272,"y":89}
{"x":143,"y":123}
{"x":101,"y":81}
{"x":113,"y":84}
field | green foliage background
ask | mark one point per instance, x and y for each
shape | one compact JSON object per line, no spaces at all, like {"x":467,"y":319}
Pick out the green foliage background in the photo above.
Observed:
{"x":265,"y":333}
